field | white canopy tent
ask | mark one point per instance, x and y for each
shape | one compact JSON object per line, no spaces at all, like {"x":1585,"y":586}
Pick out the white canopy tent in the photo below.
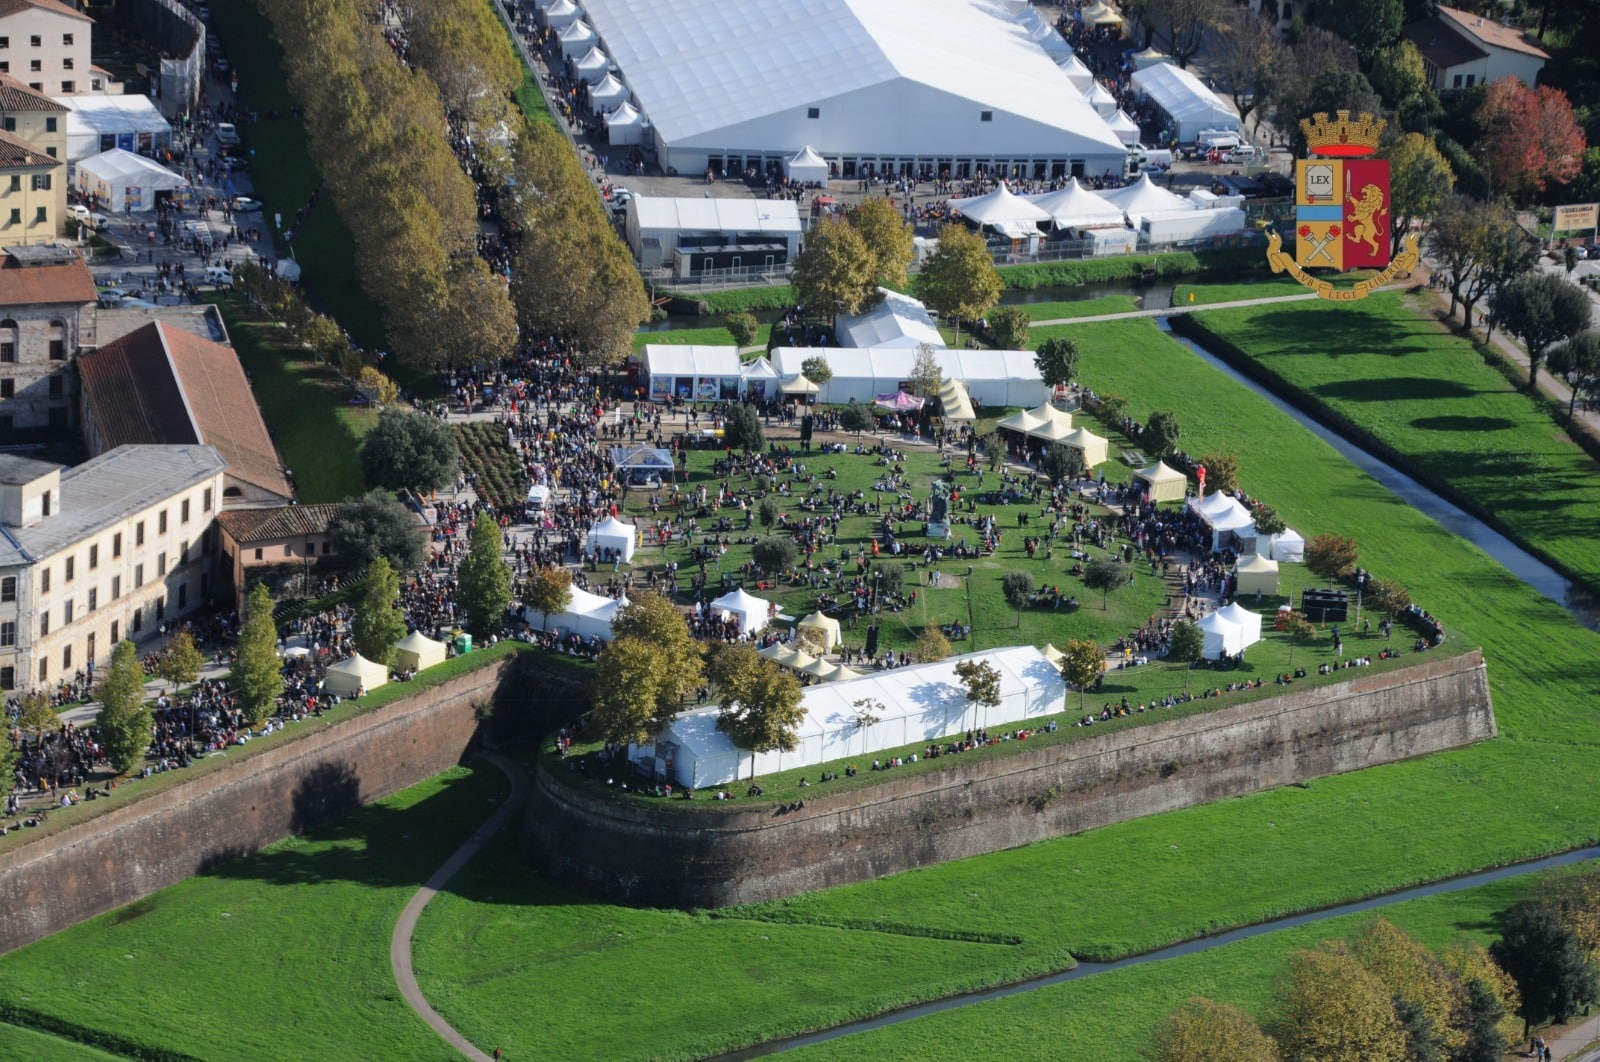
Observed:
{"x":419,"y":652}
{"x":1287,"y":547}
{"x":1024,"y":421}
{"x":1126,"y":128}
{"x":1221,"y":637}
{"x":608,"y":94}
{"x":1144,"y":196}
{"x":786,"y":655}
{"x":917,"y":704}
{"x":1072,"y":206}
{"x":355,"y":675}
{"x":1224,"y":515}
{"x":1248,"y":622}
{"x":586,"y":615}
{"x":753,"y":613}
{"x":1164,"y":482}
{"x":692,"y":372}
{"x":798,"y":384}
{"x":807,"y":166}
{"x":576,"y":38}
{"x":1150,"y":57}
{"x":1186,"y":100}
{"x":897,"y":321}
{"x":1077,"y":73}
{"x":1256,"y":574}
{"x":1101,"y":99}
{"x":1100,"y":14}
{"x":1001,"y":210}
{"x":826,"y":626}
{"x":992,"y":377}
{"x":954,"y":402}
{"x":121,"y":181}
{"x":615,"y":535}
{"x":100,"y":123}
{"x":560,"y":14}
{"x":592,"y":66}
{"x":1096,"y":448}
{"x":641,"y":458}
{"x":1042,"y":416}
{"x":759,"y":378}
{"x":1043,"y":33}
{"x":625,"y":125}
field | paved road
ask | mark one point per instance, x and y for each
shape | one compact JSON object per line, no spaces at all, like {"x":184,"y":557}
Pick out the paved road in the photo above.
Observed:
{"x":400,"y":941}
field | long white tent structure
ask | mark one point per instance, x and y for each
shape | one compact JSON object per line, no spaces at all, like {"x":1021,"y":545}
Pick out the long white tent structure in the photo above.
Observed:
{"x":914,"y":705}
{"x":992,"y":377}
{"x":1185,"y":99}
{"x":881,"y":85}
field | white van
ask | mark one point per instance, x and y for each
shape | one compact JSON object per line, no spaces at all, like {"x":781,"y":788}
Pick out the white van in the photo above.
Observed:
{"x":227,"y":134}
{"x":538,"y":501}
{"x":1219,"y":139}
{"x":220,"y":276}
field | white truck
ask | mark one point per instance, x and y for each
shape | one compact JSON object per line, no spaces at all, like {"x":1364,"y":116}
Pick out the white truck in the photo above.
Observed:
{"x":1217,"y":139}
{"x":1142,"y":158}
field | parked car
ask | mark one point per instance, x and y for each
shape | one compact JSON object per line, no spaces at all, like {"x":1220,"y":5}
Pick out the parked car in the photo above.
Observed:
{"x":227,"y":134}
{"x":112,"y":297}
{"x":79,"y":211}
{"x":1242,"y":153}
{"x":244,"y":204}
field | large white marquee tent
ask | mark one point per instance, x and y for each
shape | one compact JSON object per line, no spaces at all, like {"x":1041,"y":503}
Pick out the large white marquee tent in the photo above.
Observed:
{"x":992,"y":377}
{"x":1186,"y":100}
{"x":100,"y":123}
{"x":1144,"y":196}
{"x":692,"y":372}
{"x":656,"y":225}
{"x":1001,"y":211}
{"x":915,"y":704}
{"x":939,"y":83}
{"x":121,"y":181}
{"x":1072,"y":206}
{"x":586,"y":615}
{"x":897,"y":321}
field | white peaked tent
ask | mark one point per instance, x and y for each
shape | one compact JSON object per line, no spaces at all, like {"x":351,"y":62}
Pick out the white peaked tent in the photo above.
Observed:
{"x":614,"y":534}
{"x":1077,"y":73}
{"x":1001,"y":210}
{"x":1023,"y":421}
{"x":1223,"y":514}
{"x":416,"y":650}
{"x":120,"y":180}
{"x":992,"y":377}
{"x":798,"y":384}
{"x":609,"y":94}
{"x":918,"y":704}
{"x":1144,"y":196}
{"x":1030,"y":421}
{"x":1150,"y":57}
{"x":1186,"y":100}
{"x":759,"y":378}
{"x":1221,"y":637}
{"x":625,"y":125}
{"x":1041,"y":32}
{"x":576,"y":38}
{"x":827,"y":626}
{"x":349,"y":677}
{"x":560,"y":14}
{"x":786,"y":655}
{"x":586,"y":615}
{"x":1164,"y":482}
{"x":1249,"y":623}
{"x":1256,"y":574}
{"x":1287,"y":547}
{"x":954,"y":402}
{"x":807,"y":166}
{"x":1101,"y":14}
{"x":897,"y":321}
{"x":1072,"y":206}
{"x":1126,"y":128}
{"x":1096,"y":449}
{"x":1104,"y":103}
{"x":592,"y":67}
{"x":751,"y":611}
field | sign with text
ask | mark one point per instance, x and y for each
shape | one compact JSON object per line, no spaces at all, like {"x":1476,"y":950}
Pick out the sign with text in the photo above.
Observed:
{"x":1576,"y":216}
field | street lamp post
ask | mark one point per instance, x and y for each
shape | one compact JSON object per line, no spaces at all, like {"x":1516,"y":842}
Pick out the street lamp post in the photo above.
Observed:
{"x":1361,"y":584}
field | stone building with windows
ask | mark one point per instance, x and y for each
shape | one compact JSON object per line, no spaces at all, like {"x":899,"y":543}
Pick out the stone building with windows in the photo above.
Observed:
{"x":33,"y":174}
{"x":108,"y":550}
{"x":47,"y":315}
{"x":45,"y":44}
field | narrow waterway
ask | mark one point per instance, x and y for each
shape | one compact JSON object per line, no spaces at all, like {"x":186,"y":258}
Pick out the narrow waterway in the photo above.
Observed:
{"x":1188,"y":947}
{"x":1518,"y":561}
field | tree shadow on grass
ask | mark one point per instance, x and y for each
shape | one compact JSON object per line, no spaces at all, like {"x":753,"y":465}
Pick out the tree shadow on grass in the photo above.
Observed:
{"x":1393,"y":388}
{"x":1463,"y":423}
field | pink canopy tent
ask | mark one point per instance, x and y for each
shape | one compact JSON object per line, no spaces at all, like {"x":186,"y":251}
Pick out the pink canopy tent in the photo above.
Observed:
{"x":899,"y":402}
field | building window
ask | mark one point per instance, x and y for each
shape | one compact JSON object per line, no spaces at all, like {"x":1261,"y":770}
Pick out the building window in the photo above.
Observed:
{"x":58,"y":386}
{"x":1471,"y":80}
{"x":34,"y":66}
{"x":138,"y":620}
{"x":66,"y":612}
{"x":5,"y":42}
{"x":183,"y":596}
{"x":161,"y":608}
{"x":1457,"y":82}
{"x":8,"y":678}
{"x":58,"y":347}
{"x":66,"y":659}
{"x":44,"y":503}
{"x":94,"y":599}
{"x":258,"y":553}
{"x":206,"y":500}
{"x":5,"y":68}
{"x":11,"y":127}
{"x":41,"y":215}
{"x":138,"y":533}
{"x":8,"y":634}
{"x":183,"y":512}
{"x":66,"y":86}
{"x":44,"y":624}
{"x":72,"y":568}
{"x":161,"y":564}
{"x":66,"y":64}
{"x":116,"y":630}
{"x":116,"y":587}
{"x":66,"y":39}
{"x":8,"y":388}
{"x":8,"y":588}
{"x":44,"y":670}
{"x":161,"y":522}
{"x":138,"y":576}
{"x":44,"y":580}
{"x":813,"y":112}
{"x":35,"y":40}
{"x":94,"y":556}
{"x":41,"y":182}
{"x":327,"y":547}
{"x":116,"y":544}
{"x":985,"y":116}
{"x":15,"y":218}
{"x":50,"y":151}
{"x":50,"y":125}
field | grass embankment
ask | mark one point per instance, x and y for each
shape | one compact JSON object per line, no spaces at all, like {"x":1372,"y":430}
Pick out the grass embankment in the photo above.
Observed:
{"x":1402,"y":384}
{"x":305,"y":403}
{"x":283,"y":954}
{"x":500,"y":937}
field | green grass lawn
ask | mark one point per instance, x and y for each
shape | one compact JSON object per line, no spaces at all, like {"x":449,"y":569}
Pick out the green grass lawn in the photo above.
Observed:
{"x":305,"y":403}
{"x":1051,"y":311}
{"x":284,"y":954}
{"x":28,"y":1045}
{"x":1400,"y":379}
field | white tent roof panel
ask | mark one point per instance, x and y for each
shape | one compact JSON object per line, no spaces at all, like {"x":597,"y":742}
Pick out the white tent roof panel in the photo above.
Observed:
{"x":668,"y":359}
{"x":1185,"y":98}
{"x":716,"y":215}
{"x":897,"y":321}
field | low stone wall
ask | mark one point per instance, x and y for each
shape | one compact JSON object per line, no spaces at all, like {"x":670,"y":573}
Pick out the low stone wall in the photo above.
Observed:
{"x":153,"y":842}
{"x":659,"y":855}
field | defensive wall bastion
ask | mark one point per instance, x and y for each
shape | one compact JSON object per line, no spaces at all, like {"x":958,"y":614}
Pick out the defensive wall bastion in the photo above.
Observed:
{"x":154,"y":841}
{"x":664,"y":855}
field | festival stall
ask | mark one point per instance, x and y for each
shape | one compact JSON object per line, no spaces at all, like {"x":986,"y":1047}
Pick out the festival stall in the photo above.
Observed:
{"x":1001,"y":211}
{"x":807,"y":167}
{"x":897,"y":321}
{"x":1096,"y":448}
{"x":751,"y":612}
{"x":576,"y":38}
{"x":1072,"y":206}
{"x":954,"y":402}
{"x":1221,"y":637}
{"x":692,"y":373}
{"x":122,"y":182}
{"x":1256,"y":574}
{"x":614,"y":535}
{"x":608,"y":94}
{"x":1185,"y":99}
{"x":1287,"y":547}
{"x":1248,"y":622}
{"x":416,"y":651}
{"x":1163,"y":482}
{"x":592,"y":67}
{"x":354,"y":676}
{"x":625,"y":125}
{"x":992,"y":377}
{"x":825,"y":626}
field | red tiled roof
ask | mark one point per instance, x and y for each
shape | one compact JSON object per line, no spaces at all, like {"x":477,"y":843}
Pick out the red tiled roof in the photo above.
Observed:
{"x":1492,"y":33}
{"x":266,"y":525}
{"x":16,"y":96}
{"x":17,"y":154}
{"x":160,"y":384}
{"x":15,"y":7}
{"x":46,"y":285}
{"x":1441,"y":45}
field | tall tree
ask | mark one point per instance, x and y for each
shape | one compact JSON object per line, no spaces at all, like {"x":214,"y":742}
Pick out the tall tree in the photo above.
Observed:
{"x":1542,"y":310}
{"x":1554,"y":974}
{"x":1105,"y":574}
{"x":1082,"y":663}
{"x":1455,"y":241}
{"x":653,"y":620}
{"x":817,"y":369}
{"x":1416,"y":979}
{"x":1332,"y":1007}
{"x":927,"y":379}
{"x":762,"y":711}
{"x":1184,"y":22}
{"x":741,"y":428}
{"x":981,"y":682}
{"x":1401,"y":78}
{"x":1331,"y":556}
{"x":1471,"y":963}
{"x":835,"y":271}
{"x":409,"y":451}
{"x":257,"y":675}
{"x":378,"y":622}
{"x":1185,"y":642}
{"x":1419,"y":181}
{"x":485,"y":578}
{"x":1246,"y":48}
{"x":1203,"y":1030}
{"x":376,"y":525}
{"x":959,"y":280}
{"x":125,"y":723}
{"x":1370,"y":25}
{"x":1161,"y":434}
{"x":1063,"y":464}
{"x":631,"y":694}
{"x":1505,"y":252}
{"x":1531,"y":137}
{"x":180,"y":660}
{"x":1294,"y":75}
{"x":1578,"y":361}
{"x":548,"y":591}
{"x":888,"y":239}
{"x":1222,"y":471}
{"x":1057,"y":361}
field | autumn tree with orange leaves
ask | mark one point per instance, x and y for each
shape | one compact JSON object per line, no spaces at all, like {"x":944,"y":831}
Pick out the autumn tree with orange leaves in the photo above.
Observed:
{"x":1531,"y":137}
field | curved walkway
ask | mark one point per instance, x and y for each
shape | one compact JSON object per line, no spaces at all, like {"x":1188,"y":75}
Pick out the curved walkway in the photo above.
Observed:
{"x":400,"y":940}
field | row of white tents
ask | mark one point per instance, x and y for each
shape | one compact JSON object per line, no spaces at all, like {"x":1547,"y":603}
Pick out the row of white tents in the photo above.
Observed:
{"x":908,"y":705}
{"x":1045,"y":423}
{"x":1232,"y":523}
{"x":1158,"y":213}
{"x":356,"y":674}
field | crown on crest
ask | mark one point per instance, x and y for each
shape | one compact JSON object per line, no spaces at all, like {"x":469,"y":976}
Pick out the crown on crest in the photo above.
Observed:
{"x":1342,"y":138}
